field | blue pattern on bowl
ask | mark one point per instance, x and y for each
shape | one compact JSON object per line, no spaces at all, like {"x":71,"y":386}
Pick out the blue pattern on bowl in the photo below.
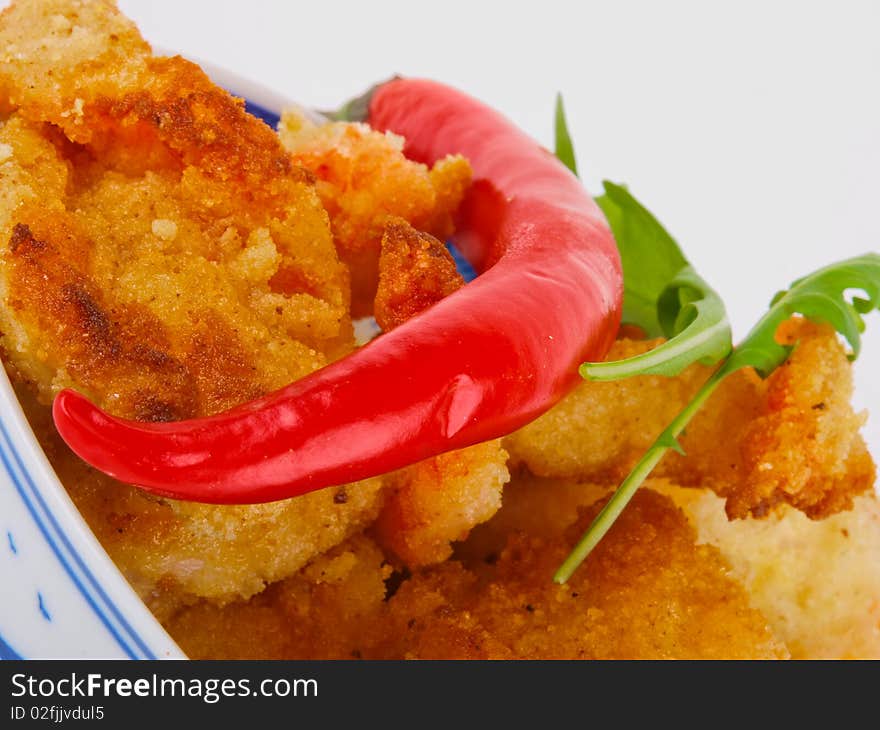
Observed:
{"x":270,"y":117}
{"x":7,"y":652}
{"x":90,"y":588}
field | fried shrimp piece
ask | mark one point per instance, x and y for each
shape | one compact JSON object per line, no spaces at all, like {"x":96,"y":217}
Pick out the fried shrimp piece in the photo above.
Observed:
{"x":321,"y":613}
{"x":599,"y":430}
{"x":437,"y":501}
{"x":648,"y":591}
{"x":174,"y":553}
{"x":804,"y":448}
{"x":792,"y":439}
{"x":363,"y":177}
{"x":177,"y":236}
{"x":816,"y":581}
{"x":161,"y":252}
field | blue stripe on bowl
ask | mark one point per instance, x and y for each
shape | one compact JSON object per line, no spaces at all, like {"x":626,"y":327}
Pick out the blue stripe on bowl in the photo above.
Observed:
{"x":461,"y":263}
{"x":7,"y":652}
{"x":127,"y":638}
{"x":41,"y":604}
{"x":270,"y":117}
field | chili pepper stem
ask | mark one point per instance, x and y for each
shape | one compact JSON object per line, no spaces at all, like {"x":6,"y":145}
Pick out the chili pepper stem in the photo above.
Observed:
{"x":625,"y":492}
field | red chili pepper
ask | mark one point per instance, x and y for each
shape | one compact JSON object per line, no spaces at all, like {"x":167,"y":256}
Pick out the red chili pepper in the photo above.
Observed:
{"x":479,"y":364}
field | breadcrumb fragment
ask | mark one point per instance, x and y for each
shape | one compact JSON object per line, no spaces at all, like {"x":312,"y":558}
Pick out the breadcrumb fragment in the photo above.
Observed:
{"x":415,"y":272}
{"x":363,"y":178}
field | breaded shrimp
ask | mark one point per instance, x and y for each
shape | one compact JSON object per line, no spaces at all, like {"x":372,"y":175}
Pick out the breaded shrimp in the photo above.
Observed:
{"x":648,"y":591}
{"x":162,"y":253}
{"x":792,"y":439}
{"x":363,"y":178}
{"x":817,"y":582}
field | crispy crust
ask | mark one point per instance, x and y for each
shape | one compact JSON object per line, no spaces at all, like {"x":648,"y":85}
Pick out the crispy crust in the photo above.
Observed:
{"x":437,"y":502}
{"x":648,"y":591}
{"x":162,"y":253}
{"x":415,"y":272}
{"x":363,"y":179}
{"x":793,"y":439}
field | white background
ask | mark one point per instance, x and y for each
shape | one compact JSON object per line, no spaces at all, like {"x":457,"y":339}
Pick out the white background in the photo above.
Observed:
{"x":752,"y":129}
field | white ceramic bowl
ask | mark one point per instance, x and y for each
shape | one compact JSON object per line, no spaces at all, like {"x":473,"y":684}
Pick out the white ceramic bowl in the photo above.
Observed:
{"x":60,"y":594}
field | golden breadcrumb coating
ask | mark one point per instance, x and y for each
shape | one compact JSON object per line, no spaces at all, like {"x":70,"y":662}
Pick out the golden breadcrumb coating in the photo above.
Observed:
{"x":162,"y":253}
{"x":363,"y":177}
{"x":157,"y":230}
{"x":600,"y":429}
{"x":817,"y":582}
{"x":415,"y":272}
{"x":436,"y":502}
{"x":804,"y":448}
{"x":648,"y":591}
{"x":792,"y":439}
{"x":322,"y":612}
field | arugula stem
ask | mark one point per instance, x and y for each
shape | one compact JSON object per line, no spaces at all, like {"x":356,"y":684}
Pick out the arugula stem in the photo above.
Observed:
{"x":670,"y":358}
{"x":609,"y":514}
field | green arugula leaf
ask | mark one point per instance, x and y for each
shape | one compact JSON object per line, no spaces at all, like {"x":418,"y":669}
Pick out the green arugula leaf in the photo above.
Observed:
{"x":694,"y":319}
{"x":564,"y":146}
{"x":650,"y":256}
{"x":821,"y":297}
{"x":663,"y":295}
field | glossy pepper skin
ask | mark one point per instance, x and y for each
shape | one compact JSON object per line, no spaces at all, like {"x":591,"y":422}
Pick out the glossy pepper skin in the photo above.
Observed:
{"x":479,"y":364}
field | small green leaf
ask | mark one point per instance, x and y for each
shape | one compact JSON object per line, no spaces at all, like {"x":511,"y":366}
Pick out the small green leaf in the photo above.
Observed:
{"x":667,"y":441}
{"x":663,"y":295}
{"x":650,"y":256}
{"x":693,"y":316}
{"x":821,"y":297}
{"x":564,"y":146}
